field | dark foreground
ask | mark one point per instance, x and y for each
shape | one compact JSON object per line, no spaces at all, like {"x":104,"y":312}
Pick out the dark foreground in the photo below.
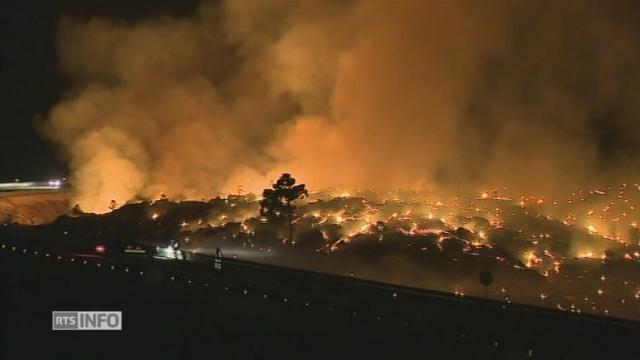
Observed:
{"x":177,"y":309}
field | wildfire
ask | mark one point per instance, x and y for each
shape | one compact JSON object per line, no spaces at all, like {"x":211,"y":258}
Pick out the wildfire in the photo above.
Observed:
{"x":518,"y":233}
{"x":586,"y":255}
{"x":532,"y":260}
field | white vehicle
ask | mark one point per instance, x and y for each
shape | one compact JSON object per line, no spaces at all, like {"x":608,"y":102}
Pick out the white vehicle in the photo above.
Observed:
{"x":171,"y":251}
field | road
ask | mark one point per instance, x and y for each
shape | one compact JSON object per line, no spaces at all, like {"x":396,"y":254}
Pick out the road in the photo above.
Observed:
{"x":255,"y":302}
{"x":31,"y":185}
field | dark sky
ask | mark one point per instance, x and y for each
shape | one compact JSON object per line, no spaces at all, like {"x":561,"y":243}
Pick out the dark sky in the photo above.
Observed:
{"x":30,"y":82}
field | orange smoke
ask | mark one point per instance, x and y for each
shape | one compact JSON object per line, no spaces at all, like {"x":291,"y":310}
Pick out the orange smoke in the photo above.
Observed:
{"x":452,"y":97}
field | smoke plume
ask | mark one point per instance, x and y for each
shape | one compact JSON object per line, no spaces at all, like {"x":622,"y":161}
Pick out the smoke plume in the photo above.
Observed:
{"x":450,"y":97}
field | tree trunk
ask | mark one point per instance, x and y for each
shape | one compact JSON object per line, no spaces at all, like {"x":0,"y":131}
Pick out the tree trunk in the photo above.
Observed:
{"x":290,"y":226}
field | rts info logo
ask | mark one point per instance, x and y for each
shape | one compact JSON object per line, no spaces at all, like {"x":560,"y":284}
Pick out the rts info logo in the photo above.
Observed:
{"x":87,"y":320}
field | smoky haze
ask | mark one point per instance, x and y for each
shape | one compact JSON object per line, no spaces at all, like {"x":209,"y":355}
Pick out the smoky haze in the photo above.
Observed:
{"x":449,"y":97}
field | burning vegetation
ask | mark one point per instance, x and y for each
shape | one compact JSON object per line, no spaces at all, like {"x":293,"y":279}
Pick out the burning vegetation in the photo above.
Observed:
{"x":491,"y":128}
{"x":578,"y":254}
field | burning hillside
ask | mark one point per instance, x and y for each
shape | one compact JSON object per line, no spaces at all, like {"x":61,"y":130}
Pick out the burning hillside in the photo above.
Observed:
{"x":498,"y":126}
{"x":581,"y":254}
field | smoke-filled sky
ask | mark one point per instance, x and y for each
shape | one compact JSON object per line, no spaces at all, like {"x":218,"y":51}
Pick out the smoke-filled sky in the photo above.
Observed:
{"x":450,"y":97}
{"x":30,"y":83}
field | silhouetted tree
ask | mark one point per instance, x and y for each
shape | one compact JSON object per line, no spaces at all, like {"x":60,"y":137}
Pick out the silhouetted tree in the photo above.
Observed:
{"x":486,"y":278}
{"x":276,"y":204}
{"x":76,"y":211}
